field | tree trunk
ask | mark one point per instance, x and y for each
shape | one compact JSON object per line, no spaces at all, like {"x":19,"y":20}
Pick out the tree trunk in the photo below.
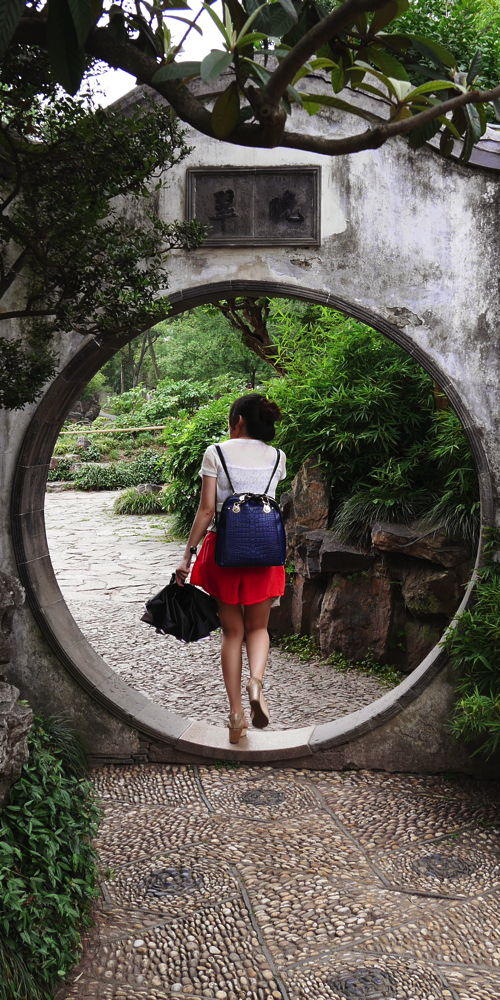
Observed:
{"x":249,"y":317}
{"x":137,"y":365}
{"x":153,"y":357}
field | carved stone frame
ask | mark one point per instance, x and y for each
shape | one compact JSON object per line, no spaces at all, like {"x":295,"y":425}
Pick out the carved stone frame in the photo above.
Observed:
{"x":192,"y":173}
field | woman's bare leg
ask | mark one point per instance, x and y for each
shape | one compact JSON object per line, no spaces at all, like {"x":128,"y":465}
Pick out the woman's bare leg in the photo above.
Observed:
{"x":256,"y":618}
{"x":231,"y":619}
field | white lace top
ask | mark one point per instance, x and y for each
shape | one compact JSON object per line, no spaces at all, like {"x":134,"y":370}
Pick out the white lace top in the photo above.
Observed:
{"x":249,"y":462}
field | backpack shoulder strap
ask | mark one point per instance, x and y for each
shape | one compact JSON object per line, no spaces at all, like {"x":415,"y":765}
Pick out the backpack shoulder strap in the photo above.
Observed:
{"x":274,"y":470}
{"x":224,"y":466}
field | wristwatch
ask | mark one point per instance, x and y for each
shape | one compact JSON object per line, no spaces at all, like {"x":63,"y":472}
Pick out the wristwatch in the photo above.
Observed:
{"x":193,"y":550}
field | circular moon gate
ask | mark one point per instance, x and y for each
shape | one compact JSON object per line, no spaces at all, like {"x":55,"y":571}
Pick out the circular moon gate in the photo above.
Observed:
{"x":357,"y":739}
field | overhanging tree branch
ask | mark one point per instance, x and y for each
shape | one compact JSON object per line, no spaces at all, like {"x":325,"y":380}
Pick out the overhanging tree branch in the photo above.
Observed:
{"x":313,"y":40}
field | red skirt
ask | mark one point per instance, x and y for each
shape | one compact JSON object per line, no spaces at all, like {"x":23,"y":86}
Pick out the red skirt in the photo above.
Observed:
{"x":235,"y":584}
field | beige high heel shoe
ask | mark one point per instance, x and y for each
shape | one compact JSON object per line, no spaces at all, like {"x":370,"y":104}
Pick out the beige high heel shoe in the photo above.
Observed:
{"x":237,"y":726}
{"x":258,"y":705}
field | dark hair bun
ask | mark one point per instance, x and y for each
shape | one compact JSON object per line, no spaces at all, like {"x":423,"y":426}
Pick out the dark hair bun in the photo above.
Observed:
{"x":259,"y":413}
{"x":269,"y":410}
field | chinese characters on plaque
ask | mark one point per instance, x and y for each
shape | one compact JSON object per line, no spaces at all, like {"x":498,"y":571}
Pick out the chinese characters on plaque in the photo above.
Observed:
{"x":256,"y":207}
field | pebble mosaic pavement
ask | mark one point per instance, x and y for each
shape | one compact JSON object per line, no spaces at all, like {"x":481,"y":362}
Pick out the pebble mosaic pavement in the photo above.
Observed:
{"x":107,"y":566}
{"x":230,"y":882}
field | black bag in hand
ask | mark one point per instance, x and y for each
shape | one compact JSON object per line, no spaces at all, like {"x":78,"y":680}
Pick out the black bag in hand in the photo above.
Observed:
{"x":185,"y":612}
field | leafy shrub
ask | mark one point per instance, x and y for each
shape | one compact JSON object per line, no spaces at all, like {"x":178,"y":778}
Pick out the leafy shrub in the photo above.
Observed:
{"x":62,"y":473}
{"x":366,"y":409}
{"x":126,"y":402}
{"x":186,"y":443}
{"x":474,"y":650}
{"x":48,"y":866}
{"x":89,"y":454}
{"x":132,"y":502}
{"x":455,"y":502}
{"x":148,"y":468}
{"x":169,"y":399}
{"x":104,"y":477}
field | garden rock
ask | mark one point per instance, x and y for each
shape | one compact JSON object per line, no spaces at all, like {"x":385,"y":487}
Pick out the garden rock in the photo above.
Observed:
{"x":84,"y":443}
{"x":428,"y":591}
{"x":335,"y":557}
{"x":356,"y":616}
{"x":280,"y":617}
{"x":310,"y":496}
{"x":434,"y":547}
{"x":149,"y":488}
{"x":420,"y":637}
{"x":307,"y":552}
{"x":306,"y":605}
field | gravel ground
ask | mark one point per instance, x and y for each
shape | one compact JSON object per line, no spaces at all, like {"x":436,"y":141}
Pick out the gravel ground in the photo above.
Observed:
{"x":107,"y":567}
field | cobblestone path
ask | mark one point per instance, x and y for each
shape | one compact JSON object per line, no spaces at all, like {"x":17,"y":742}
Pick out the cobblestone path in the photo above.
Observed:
{"x":249,"y":883}
{"x":108,"y":566}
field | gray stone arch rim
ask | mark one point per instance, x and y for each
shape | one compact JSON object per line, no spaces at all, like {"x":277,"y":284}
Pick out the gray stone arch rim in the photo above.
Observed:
{"x":57,"y":624}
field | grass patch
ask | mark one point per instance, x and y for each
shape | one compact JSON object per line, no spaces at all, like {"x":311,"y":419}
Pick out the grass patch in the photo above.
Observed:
{"x":133,"y":502}
{"x":306,"y":648}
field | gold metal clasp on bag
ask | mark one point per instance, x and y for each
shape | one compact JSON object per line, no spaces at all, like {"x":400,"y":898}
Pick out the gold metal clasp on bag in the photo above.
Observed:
{"x":266,"y":508}
{"x":236,"y":508}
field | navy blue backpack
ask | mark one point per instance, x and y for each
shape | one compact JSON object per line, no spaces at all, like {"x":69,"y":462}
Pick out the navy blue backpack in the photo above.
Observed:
{"x":249,"y":527}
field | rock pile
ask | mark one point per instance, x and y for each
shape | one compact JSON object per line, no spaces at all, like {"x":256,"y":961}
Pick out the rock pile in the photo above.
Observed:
{"x":393,"y":599}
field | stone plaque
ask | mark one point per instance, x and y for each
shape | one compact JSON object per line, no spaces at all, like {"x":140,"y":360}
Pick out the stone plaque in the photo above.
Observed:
{"x":264,"y":206}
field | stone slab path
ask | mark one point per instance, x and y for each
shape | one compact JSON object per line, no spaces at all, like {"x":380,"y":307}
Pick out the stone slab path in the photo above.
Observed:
{"x":107,"y":566}
{"x":251,"y":883}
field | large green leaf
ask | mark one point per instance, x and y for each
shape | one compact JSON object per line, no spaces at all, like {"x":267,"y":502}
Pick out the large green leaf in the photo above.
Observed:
{"x":226,"y":112}
{"x":67,"y":57}
{"x":474,"y":67}
{"x":477,"y":126}
{"x":338,"y":78}
{"x":420,"y":135}
{"x":429,"y":88}
{"x":10,"y":14}
{"x":289,"y":9}
{"x":446,"y":143}
{"x":214,"y":64}
{"x":386,"y":14}
{"x":433,"y":50}
{"x":275,"y":20}
{"x":468,"y":144}
{"x":334,"y":102}
{"x":218,"y":23}
{"x":385,"y":61}
{"x":81,"y":13}
{"x":176,"y":71}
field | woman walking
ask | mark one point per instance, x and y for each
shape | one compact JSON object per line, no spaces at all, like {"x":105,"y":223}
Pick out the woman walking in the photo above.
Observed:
{"x":244,"y":594}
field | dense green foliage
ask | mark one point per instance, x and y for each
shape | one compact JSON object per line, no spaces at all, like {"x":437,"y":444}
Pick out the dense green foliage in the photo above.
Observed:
{"x":148,"y":468}
{"x":186,"y":443}
{"x":133,"y":502}
{"x":464,"y":26}
{"x":351,"y":47}
{"x":365,"y":409}
{"x":48,"y":866}
{"x":171,"y":398}
{"x":87,"y":267}
{"x":195,"y":347}
{"x":474,"y":649}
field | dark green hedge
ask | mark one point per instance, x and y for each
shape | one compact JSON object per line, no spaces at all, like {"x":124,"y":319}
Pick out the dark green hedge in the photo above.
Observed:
{"x":48,"y":866}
